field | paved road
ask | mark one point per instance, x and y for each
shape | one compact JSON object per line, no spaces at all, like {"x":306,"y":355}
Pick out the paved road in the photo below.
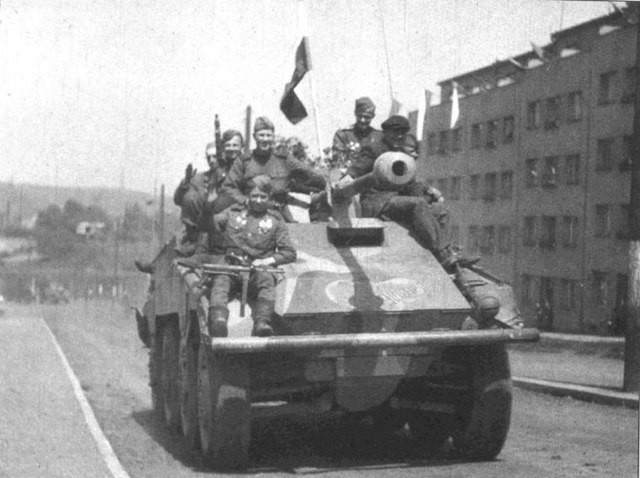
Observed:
{"x":551,"y":437}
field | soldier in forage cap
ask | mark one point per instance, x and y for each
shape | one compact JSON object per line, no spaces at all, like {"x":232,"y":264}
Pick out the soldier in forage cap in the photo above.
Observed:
{"x":348,"y":142}
{"x":255,"y":235}
{"x":277,"y":164}
{"x":196,"y":188}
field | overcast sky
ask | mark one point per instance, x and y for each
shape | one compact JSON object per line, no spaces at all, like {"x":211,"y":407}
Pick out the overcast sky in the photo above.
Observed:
{"x":112,"y":92}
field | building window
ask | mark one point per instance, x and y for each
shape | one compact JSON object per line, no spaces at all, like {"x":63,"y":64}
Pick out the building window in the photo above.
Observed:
{"x":443,"y":142}
{"x":531,"y":178}
{"x":527,"y":289}
{"x":490,"y":186}
{"x":492,"y":134}
{"x":622,"y":231}
{"x":599,"y":291}
{"x":506,"y":185}
{"x":488,"y":240}
{"x":456,"y":135}
{"x":476,"y":136}
{"x":569,"y":231}
{"x":504,"y":239}
{"x":572,"y":169}
{"x":432,"y":144}
{"x":443,"y":186}
{"x":474,"y":187}
{"x":567,"y":299}
{"x":473,"y":240}
{"x":604,"y":160}
{"x":508,"y":130}
{"x":574,"y":106}
{"x":552,"y":113}
{"x":627,"y":153}
{"x":603,"y":220}
{"x":533,"y":115}
{"x":454,"y":193}
{"x":529,"y":232}
{"x":606,"y":89}
{"x":548,"y":239}
{"x":628,"y":93}
{"x":550,"y":172}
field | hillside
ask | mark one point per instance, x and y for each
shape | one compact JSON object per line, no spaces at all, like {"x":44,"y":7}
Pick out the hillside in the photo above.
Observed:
{"x":25,"y":200}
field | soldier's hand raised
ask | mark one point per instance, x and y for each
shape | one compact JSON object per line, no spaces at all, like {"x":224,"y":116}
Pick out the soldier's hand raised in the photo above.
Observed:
{"x":189,"y":173}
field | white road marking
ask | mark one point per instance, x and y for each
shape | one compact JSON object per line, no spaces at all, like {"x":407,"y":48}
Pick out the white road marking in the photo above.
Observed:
{"x":104,"y":447}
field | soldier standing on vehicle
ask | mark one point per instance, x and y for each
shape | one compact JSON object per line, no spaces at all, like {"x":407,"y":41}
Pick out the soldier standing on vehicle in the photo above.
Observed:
{"x":350,"y":141}
{"x":265,"y":160}
{"x":197,"y":188}
{"x":253,"y":235}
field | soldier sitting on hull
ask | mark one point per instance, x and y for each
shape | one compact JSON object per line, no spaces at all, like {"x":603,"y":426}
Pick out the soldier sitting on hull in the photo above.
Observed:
{"x":259,"y":237}
{"x":197,"y":188}
{"x":266,"y":160}
{"x":416,"y":204}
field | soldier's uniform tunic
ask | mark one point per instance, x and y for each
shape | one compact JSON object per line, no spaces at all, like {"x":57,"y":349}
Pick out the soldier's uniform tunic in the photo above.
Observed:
{"x":278,"y":166}
{"x":348,"y":142}
{"x":191,"y":196}
{"x":258,"y":236}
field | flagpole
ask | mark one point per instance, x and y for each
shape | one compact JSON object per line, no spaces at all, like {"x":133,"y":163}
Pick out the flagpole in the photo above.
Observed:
{"x":386,"y":49}
{"x":313,"y":99}
{"x":303,"y":31}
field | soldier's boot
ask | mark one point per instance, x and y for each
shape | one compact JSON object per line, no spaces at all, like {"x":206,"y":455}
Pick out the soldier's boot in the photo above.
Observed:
{"x":145,"y":267}
{"x":262,"y":312}
{"x":218,"y":317}
{"x":479,"y":292}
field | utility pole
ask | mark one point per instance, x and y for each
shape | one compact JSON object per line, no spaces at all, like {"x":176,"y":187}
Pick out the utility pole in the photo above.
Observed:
{"x":247,"y":130}
{"x":632,"y":333}
{"x":161,"y":220}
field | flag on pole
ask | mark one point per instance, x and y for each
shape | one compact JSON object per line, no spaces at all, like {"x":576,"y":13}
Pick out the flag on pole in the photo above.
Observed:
{"x":455,"y":106}
{"x":290,"y":104}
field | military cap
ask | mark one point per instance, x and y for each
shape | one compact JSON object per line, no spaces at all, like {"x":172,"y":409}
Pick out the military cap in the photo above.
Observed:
{"x":396,"y":123}
{"x":262,"y":122}
{"x":262,"y":182}
{"x":365,"y":106}
{"x":231,"y":133}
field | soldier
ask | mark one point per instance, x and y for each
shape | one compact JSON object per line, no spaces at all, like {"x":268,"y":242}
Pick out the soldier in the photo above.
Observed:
{"x":197,"y":188}
{"x":259,"y":237}
{"x":349,"y":141}
{"x":265,"y":159}
{"x":416,"y":205}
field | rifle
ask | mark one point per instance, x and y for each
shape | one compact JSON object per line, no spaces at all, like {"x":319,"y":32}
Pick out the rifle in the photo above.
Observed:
{"x":243,"y":272}
{"x":219,"y":145}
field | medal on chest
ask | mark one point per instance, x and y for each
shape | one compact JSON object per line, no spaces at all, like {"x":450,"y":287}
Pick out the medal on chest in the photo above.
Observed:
{"x":265,"y":225}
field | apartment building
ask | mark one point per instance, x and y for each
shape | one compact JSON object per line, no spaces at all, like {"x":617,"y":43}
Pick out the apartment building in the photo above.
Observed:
{"x":536,"y":172}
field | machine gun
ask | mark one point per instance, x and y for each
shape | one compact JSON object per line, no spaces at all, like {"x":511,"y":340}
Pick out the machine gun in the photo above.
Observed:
{"x":243,"y":272}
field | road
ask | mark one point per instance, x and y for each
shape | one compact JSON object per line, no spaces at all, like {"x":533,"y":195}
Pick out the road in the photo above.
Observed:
{"x":550,"y":437}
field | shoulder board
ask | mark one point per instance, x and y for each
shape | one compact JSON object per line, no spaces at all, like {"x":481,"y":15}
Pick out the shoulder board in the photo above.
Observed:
{"x":275,"y":213}
{"x":237,"y":207}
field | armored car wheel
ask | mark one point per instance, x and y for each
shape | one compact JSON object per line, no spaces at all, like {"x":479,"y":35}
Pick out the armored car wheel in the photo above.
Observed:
{"x":170,"y":374}
{"x":224,"y":411}
{"x":486,"y":413}
{"x":189,"y":392}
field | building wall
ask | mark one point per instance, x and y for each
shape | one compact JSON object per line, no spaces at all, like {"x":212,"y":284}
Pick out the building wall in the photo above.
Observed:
{"x":569,"y":268}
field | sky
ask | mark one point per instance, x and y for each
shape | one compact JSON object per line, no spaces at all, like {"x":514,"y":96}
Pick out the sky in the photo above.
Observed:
{"x":122,"y":93}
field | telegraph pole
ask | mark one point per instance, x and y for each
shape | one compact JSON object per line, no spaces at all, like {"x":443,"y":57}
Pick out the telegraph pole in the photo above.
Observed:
{"x":161,"y":219}
{"x":632,"y":333}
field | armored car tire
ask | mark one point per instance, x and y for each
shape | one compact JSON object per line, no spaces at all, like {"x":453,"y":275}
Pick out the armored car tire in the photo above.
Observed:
{"x":485,"y":414}
{"x":224,"y":410}
{"x":189,"y":390}
{"x":170,"y":373}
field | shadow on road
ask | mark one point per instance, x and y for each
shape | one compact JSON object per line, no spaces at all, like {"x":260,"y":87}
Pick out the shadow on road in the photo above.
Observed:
{"x":301,"y":446}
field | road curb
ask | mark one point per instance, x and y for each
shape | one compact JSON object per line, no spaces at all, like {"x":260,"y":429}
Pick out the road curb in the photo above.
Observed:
{"x":580,"y":392}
